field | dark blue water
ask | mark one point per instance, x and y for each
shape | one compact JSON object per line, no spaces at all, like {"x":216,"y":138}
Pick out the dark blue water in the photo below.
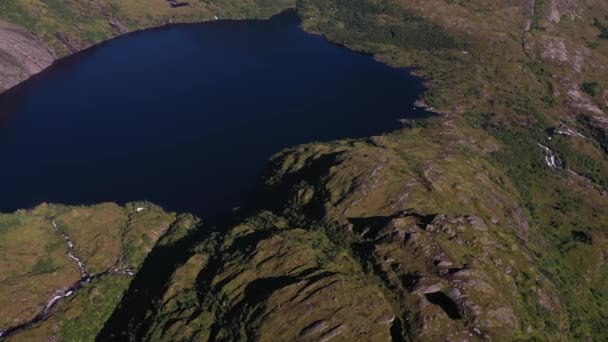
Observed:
{"x":187,"y":116}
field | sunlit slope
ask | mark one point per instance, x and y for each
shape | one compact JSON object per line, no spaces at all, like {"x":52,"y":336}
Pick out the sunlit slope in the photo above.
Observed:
{"x":65,"y":269}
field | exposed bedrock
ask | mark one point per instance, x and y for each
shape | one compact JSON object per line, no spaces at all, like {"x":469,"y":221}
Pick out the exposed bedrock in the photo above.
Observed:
{"x":22,"y":55}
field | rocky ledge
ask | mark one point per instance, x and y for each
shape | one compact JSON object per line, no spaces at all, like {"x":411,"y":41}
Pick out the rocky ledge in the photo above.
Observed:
{"x":22,"y":54}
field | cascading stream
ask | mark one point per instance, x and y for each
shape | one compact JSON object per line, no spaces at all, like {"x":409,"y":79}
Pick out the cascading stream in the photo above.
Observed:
{"x":71,"y":252}
{"x":85,"y":279}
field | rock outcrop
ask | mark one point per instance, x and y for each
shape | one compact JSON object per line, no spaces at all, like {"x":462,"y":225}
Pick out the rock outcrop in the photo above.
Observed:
{"x":22,"y":54}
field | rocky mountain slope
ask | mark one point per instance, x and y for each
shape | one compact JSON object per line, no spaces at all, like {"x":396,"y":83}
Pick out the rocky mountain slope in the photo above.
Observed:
{"x":487,"y":222}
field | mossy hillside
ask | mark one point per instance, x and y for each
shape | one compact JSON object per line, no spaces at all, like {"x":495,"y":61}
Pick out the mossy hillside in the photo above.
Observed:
{"x":34,"y":266}
{"x":98,"y":251}
{"x":82,"y":316}
{"x":68,"y":26}
{"x":236,"y":284}
{"x":106,"y":233}
{"x":263,"y":280}
{"x":481,"y":274}
{"x":369,"y":207}
{"x":111,"y":241}
{"x":406,"y":170}
{"x":363,"y":184}
{"x":513,"y":85}
{"x":560,"y":204}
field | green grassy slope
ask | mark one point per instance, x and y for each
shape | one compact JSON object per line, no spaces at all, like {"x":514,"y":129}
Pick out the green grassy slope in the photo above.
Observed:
{"x":111,"y":242}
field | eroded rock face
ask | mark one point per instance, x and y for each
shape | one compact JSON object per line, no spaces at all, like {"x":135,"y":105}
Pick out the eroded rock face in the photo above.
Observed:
{"x":22,"y":55}
{"x":407,"y":276}
{"x":446,"y":293}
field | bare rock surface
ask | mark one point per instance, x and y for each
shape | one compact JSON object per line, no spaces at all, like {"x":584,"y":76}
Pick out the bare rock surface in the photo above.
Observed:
{"x":22,"y":55}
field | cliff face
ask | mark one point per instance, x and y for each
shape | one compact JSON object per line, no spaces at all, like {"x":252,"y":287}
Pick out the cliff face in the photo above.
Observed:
{"x":22,"y":54}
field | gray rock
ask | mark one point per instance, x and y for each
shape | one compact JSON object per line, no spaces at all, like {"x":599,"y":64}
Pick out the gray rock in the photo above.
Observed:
{"x":22,"y":54}
{"x":313,"y":328}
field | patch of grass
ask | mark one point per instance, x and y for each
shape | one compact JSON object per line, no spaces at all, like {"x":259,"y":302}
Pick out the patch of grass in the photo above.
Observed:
{"x":602,"y":27}
{"x":588,"y":165}
{"x":591,"y":88}
{"x":43,"y":266}
{"x":88,"y":311}
{"x":359,"y":21}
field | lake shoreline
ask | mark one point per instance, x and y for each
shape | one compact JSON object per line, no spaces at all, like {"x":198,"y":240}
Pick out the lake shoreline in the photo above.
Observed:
{"x":395,"y":102}
{"x":75,"y":50}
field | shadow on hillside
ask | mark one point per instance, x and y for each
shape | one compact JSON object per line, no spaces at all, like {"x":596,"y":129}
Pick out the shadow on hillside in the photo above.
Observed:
{"x":127,"y":322}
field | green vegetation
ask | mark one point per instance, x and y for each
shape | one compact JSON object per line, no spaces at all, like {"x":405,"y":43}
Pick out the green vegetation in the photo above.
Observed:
{"x":356,"y":22}
{"x":85,"y":314}
{"x":591,"y":166}
{"x":38,"y":266}
{"x":539,"y":7}
{"x":43,"y":266}
{"x":590,"y":88}
{"x":602,"y":27}
{"x":446,"y":228}
{"x":66,"y":26}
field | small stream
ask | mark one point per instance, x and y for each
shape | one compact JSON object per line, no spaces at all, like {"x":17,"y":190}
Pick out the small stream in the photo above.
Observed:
{"x":71,"y":252}
{"x":551,"y":159}
{"x":85,"y":279}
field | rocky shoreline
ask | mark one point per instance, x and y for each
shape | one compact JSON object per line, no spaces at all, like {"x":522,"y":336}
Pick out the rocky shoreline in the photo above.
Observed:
{"x":24,"y":53}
